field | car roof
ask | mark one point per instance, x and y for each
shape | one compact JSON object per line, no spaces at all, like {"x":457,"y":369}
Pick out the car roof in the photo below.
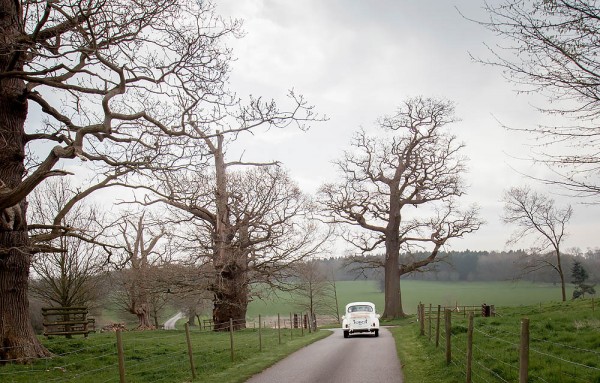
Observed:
{"x":360,"y":304}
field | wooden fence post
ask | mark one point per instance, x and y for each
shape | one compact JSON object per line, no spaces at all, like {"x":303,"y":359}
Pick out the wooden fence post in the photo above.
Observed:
{"x":189,"y":346}
{"x":448,"y":328}
{"x":429,"y":321}
{"x":437,"y":327}
{"x":291,"y":327}
{"x":524,"y":352}
{"x":301,"y":324}
{"x":421,"y":319}
{"x":470,"y":347}
{"x":279,"y":327}
{"x":231,"y":338}
{"x":259,"y":333}
{"x":121,"y":357}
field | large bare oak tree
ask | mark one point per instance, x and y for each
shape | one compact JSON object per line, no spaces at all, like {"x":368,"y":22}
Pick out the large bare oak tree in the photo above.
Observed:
{"x":388,"y":180}
{"x":249,"y":226}
{"x":113,"y":82}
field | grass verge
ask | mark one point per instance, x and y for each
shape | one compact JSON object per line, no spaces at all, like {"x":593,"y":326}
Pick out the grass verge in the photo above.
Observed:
{"x":419,"y":360}
{"x":564,"y":346}
{"x":161,"y":356}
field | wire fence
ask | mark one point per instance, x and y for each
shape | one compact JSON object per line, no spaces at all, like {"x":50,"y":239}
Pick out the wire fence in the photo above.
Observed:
{"x":155,"y":356}
{"x":483,"y":350}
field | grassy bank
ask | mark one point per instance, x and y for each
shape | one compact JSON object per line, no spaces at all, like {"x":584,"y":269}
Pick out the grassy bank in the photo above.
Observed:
{"x":564,"y":346}
{"x":161,"y":356}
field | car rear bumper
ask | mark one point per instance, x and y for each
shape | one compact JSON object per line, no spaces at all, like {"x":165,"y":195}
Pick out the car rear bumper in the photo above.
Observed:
{"x":359,"y":330}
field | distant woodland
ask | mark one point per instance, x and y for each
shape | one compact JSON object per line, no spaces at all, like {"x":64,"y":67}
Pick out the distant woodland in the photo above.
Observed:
{"x":476,"y":266}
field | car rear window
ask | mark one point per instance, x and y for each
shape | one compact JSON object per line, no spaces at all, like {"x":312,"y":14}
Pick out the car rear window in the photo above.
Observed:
{"x":357,"y":308}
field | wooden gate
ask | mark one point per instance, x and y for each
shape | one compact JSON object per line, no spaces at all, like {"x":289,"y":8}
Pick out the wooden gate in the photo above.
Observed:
{"x":67,"y":321}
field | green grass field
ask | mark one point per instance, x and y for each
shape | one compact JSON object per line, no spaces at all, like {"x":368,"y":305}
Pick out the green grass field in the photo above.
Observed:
{"x":564,"y":346}
{"x":508,"y":294}
{"x":443,"y":293}
{"x":161,"y":356}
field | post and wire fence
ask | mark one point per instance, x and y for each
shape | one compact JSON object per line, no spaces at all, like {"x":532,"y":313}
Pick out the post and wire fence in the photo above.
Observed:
{"x":484,"y":349}
{"x":157,"y":356}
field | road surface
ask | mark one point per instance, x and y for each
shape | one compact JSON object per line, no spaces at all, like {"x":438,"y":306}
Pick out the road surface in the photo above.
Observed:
{"x":170,"y":323}
{"x":358,"y":359}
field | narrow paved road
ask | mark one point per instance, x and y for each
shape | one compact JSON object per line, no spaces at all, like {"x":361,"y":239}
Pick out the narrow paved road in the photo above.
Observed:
{"x":170,"y":323}
{"x":358,"y":359}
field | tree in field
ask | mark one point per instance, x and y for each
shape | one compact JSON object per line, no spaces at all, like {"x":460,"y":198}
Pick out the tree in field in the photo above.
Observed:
{"x":146,"y":246}
{"x":313,"y":291}
{"x":249,"y":226}
{"x":399,"y":189}
{"x":578,"y":277}
{"x":69,"y":274}
{"x":537,"y":216}
{"x":550,"y":47}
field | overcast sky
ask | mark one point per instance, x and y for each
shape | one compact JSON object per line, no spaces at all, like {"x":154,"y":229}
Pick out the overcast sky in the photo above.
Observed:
{"x":357,"y":60}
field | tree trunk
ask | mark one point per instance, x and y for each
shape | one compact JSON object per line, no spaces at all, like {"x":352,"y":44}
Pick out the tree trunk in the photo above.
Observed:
{"x":393,"y":301}
{"x":230,"y":287}
{"x":192,"y":316}
{"x":561,"y":274}
{"x":143,"y":315}
{"x":17,"y":338}
{"x":231,"y":298}
{"x":155,"y":317}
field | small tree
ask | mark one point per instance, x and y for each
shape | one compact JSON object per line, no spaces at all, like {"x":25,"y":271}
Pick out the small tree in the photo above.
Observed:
{"x":314,"y":292}
{"x":67,"y":232}
{"x":535,"y":215}
{"x":578,"y":276}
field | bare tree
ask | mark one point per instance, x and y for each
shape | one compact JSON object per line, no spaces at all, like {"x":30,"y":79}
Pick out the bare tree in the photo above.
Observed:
{"x":313,"y":291}
{"x":250,"y":226}
{"x":536,"y":215}
{"x":550,"y":47}
{"x":69,"y":275}
{"x":97,"y":71}
{"x":146,"y":251}
{"x":70,"y":259}
{"x":413,"y":163}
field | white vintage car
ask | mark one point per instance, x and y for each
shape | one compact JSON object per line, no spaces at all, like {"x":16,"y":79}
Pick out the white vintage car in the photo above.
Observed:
{"x":360,"y":317}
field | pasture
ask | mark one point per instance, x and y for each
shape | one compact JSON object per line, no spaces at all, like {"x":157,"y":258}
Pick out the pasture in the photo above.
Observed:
{"x":563,"y":346}
{"x":509,"y":294}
